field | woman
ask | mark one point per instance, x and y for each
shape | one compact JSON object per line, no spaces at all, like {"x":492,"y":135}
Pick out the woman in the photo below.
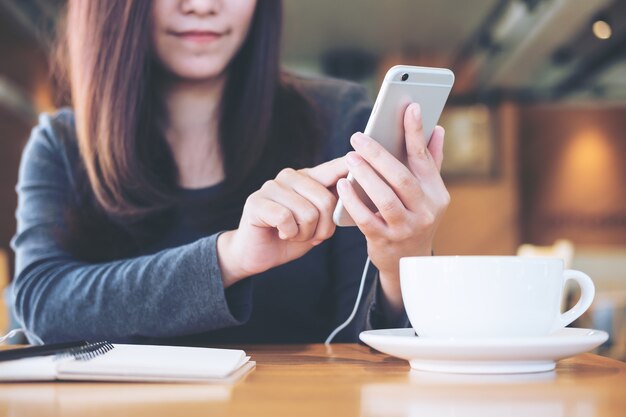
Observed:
{"x":172,"y":205}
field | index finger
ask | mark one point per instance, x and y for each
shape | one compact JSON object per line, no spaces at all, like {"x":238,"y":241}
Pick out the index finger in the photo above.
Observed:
{"x":419,"y":158}
{"x":329,"y":172}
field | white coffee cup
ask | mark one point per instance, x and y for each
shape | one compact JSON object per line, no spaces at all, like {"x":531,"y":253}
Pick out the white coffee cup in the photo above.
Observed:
{"x":489,"y":296}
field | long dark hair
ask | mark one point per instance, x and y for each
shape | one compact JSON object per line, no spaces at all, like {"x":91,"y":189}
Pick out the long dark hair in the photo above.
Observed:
{"x":112,"y":80}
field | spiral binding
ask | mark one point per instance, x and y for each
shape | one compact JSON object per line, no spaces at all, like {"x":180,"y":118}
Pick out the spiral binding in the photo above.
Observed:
{"x":87,"y":352}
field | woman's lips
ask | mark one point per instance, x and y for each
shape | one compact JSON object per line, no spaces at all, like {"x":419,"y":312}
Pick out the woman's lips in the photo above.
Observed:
{"x":200,"y":36}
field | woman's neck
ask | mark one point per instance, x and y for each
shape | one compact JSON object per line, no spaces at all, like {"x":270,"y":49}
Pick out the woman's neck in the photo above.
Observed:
{"x":192,"y":131}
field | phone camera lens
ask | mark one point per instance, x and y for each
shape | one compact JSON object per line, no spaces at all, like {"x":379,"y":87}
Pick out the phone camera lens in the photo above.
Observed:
{"x":405,"y":76}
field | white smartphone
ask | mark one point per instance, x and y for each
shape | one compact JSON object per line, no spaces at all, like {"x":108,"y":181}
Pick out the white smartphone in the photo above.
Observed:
{"x":402,"y":86}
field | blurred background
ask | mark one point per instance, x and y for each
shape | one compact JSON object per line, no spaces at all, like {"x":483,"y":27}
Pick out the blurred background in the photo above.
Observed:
{"x":536,"y":123}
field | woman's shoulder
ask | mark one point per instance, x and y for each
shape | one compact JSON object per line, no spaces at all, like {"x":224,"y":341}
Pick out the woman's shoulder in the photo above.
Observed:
{"x":331,"y":93}
{"x":52,"y":142}
{"x":344,"y":105}
{"x":55,"y":130}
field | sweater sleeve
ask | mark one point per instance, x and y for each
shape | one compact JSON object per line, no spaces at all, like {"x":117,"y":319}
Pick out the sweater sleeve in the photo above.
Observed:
{"x":349,"y":247}
{"x":174,"y":292}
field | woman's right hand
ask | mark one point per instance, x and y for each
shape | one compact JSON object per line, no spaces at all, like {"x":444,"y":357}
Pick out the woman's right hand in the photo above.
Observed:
{"x":282,"y":221}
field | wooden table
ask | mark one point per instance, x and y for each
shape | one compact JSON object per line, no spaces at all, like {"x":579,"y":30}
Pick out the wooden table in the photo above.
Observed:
{"x":343,"y":380}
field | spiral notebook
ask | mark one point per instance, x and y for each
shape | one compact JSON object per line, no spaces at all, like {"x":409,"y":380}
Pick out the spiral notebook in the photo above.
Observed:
{"x":118,"y":362}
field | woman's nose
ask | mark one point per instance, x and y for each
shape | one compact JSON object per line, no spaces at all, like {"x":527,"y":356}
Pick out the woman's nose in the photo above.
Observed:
{"x":201,"y":7}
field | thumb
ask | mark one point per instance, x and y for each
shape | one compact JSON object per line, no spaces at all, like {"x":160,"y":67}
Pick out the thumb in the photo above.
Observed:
{"x":328,"y":173}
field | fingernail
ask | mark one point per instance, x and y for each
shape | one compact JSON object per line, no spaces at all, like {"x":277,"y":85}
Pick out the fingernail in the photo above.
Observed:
{"x":352,"y":159}
{"x":281,"y":235}
{"x":417,"y":110}
{"x":342,"y":185}
{"x":359,"y":139}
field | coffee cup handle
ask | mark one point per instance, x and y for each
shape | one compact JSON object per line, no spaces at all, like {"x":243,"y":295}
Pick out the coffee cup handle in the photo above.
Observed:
{"x":587,"y":292}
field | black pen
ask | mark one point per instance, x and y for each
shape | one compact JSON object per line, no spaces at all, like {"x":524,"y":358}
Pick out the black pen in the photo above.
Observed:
{"x":43,"y":350}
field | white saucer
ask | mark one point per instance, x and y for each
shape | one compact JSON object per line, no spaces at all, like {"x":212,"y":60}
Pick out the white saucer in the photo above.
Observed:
{"x":483,"y":356}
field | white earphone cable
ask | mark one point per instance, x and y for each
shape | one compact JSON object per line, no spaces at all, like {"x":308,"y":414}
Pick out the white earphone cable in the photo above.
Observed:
{"x":15,"y":332}
{"x":356,"y":305}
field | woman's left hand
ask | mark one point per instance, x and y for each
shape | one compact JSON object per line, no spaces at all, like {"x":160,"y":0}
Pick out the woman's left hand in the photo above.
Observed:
{"x":411,"y":199}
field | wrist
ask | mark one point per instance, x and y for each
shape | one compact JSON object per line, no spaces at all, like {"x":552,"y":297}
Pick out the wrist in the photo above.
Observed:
{"x":392,"y":303}
{"x":229,"y":265}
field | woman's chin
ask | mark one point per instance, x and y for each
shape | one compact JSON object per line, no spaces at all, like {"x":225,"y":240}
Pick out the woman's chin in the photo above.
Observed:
{"x":197,"y":73}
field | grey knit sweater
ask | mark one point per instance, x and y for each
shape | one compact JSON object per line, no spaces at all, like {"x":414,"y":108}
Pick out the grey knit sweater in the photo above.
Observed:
{"x":172,"y":293}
